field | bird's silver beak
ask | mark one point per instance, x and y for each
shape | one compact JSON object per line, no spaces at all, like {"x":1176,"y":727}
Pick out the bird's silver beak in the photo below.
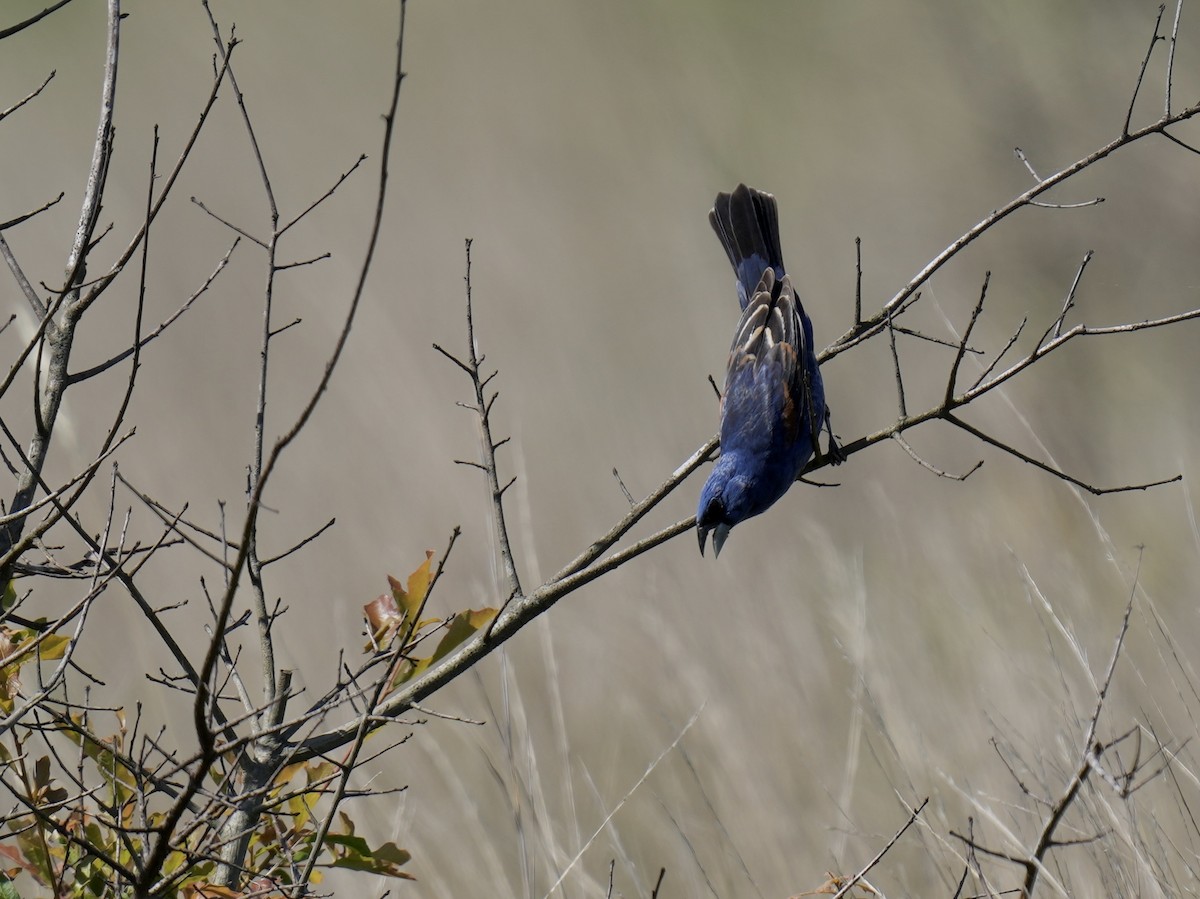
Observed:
{"x":719,"y":532}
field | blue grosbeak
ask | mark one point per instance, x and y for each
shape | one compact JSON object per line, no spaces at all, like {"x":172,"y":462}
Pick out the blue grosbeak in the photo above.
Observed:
{"x":773,"y":406}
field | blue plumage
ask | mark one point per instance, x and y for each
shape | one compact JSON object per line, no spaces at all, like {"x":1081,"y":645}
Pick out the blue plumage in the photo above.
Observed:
{"x":773,"y":406}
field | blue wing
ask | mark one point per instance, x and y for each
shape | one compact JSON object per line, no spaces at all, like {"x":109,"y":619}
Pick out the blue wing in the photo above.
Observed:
{"x":773,"y":404}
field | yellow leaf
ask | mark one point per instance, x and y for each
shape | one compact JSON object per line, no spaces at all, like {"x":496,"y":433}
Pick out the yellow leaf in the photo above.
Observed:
{"x":54,"y":646}
{"x":410,"y":599}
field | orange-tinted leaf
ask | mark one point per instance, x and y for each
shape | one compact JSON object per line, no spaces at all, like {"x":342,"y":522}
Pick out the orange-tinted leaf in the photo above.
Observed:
{"x":397,"y":613}
{"x":261,"y":886}
{"x":384,"y":618}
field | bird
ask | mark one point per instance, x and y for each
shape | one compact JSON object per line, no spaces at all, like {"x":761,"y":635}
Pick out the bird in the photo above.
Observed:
{"x":773,"y":405}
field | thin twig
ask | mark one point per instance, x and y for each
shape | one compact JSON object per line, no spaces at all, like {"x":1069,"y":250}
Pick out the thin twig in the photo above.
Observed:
{"x":1069,"y":302}
{"x":32,"y":20}
{"x":896,"y":366}
{"x":1035,"y":862}
{"x":1170,"y":76}
{"x":952,"y":379}
{"x":874,"y":325}
{"x":624,"y":799}
{"x":904,"y":444}
{"x":28,"y":97}
{"x":94,"y":370}
{"x":24,"y":217}
{"x":483,"y":408}
{"x":325,"y":196}
{"x":849,"y":884}
{"x":857,"y":282}
{"x":1142,"y":71}
{"x":1070,"y":479}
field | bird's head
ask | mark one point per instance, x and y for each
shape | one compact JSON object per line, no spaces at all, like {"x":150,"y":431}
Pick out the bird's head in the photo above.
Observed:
{"x":725,"y":500}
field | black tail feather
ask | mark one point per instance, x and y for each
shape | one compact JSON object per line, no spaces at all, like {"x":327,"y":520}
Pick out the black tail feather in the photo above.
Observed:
{"x":747,"y":224}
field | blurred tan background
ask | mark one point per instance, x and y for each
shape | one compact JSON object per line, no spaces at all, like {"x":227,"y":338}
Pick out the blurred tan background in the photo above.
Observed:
{"x":854,"y":649}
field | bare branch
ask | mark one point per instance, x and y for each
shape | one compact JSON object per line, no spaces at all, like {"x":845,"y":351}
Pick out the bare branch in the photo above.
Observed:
{"x":303,"y":543}
{"x":1170,"y":77}
{"x":12,"y":223}
{"x":624,"y":490}
{"x":101,"y":154}
{"x":1083,"y":204}
{"x":1020,"y":154}
{"x":241,"y":232}
{"x":325,"y":196}
{"x":1173,"y":139}
{"x":849,"y":884}
{"x":166,"y":323}
{"x":1000,"y":355}
{"x":483,"y":406}
{"x":1069,"y":302}
{"x":7,"y":112}
{"x":877,"y":322}
{"x":31,"y":295}
{"x":1012,"y":451}
{"x":621,"y":804}
{"x":1142,"y":72}
{"x":285,"y":266}
{"x":933,"y":468}
{"x":896,"y":365}
{"x":1034,"y":864}
{"x":47,"y":404}
{"x":857,"y":283}
{"x":962,"y":346}
{"x":32,"y":20}
{"x":102,"y":283}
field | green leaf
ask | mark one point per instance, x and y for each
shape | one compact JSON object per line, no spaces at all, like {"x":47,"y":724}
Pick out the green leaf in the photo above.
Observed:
{"x":54,"y":646}
{"x":7,"y":890}
{"x":462,"y":626}
{"x":354,"y":844}
{"x":372,"y":866}
{"x":390,"y":852}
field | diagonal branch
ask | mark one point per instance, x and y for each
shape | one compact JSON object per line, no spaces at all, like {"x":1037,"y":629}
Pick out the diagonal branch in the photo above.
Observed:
{"x":874,"y":324}
{"x":1062,"y":475}
{"x":912,"y":818}
{"x":104,"y":366}
{"x":32,"y":20}
{"x":27,"y":98}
